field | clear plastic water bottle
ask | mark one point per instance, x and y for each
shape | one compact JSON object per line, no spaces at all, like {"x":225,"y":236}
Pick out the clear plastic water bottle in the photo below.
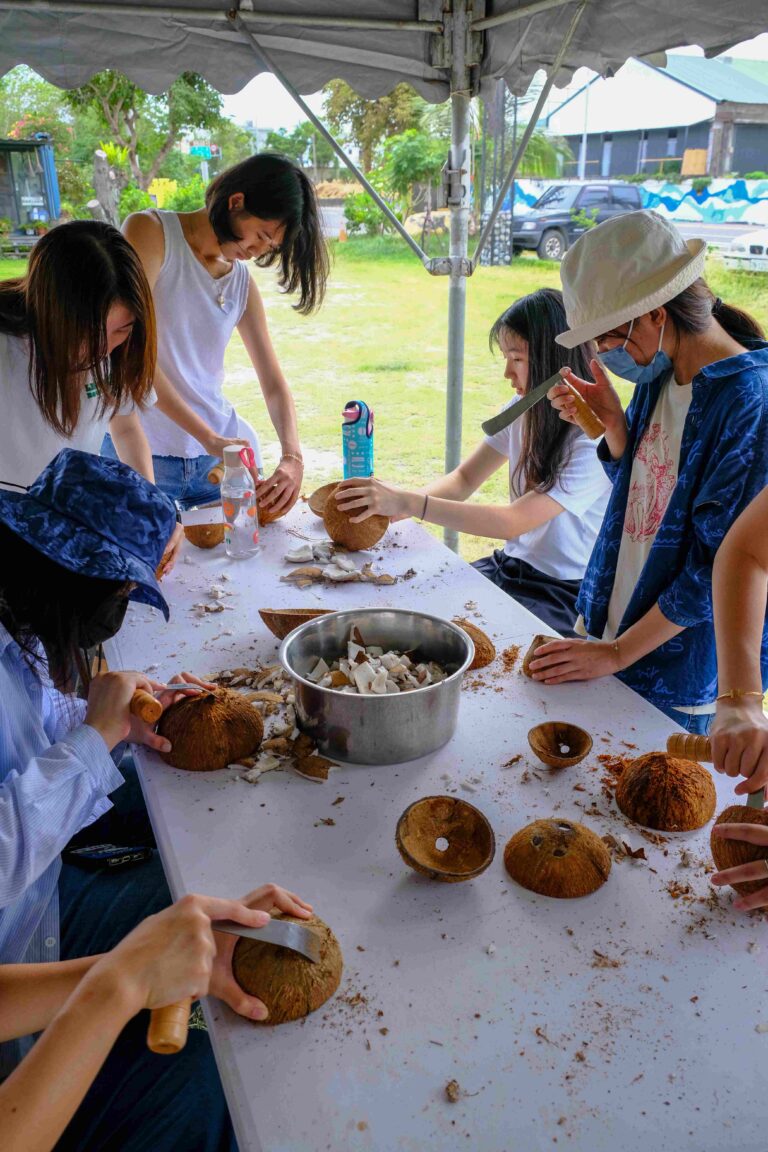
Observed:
{"x":238,"y":503}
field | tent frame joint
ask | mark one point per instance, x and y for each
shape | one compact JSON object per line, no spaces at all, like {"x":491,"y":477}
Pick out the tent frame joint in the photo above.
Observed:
{"x":454,"y":266}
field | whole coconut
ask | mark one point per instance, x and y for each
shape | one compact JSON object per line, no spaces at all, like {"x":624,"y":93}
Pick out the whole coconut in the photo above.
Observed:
{"x":355,"y":537}
{"x":732,"y":853}
{"x":485,"y":650}
{"x":204,"y":535}
{"x":666,"y":793}
{"x":290,"y":985}
{"x":268,"y":516}
{"x":557,"y":858}
{"x":210,"y":731}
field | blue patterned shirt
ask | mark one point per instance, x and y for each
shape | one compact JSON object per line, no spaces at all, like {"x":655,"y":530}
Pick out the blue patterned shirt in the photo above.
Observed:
{"x":55,"y":774}
{"x":723,"y":466}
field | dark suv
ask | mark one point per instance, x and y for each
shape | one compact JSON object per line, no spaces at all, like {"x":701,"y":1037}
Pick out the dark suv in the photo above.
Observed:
{"x":558,"y":216}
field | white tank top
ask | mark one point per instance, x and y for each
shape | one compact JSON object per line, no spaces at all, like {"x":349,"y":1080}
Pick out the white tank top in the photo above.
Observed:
{"x":196,"y":316}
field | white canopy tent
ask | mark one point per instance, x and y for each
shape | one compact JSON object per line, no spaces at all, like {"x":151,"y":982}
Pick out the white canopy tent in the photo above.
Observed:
{"x":446,"y":49}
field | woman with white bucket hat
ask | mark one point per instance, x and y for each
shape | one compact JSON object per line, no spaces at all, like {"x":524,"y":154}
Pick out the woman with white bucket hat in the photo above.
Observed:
{"x":685,"y":459}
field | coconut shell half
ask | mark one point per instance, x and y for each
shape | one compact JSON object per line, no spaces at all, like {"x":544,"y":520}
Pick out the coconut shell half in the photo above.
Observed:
{"x":485,"y":650}
{"x":319,"y":498}
{"x":290,"y":985}
{"x":204,"y":535}
{"x":445,"y":838}
{"x":557,"y":858}
{"x":354,"y":537}
{"x":664,"y":792}
{"x":281,"y":621}
{"x":559,"y":745}
{"x":535,"y":643}
{"x":732,"y":853}
{"x":208,"y":732}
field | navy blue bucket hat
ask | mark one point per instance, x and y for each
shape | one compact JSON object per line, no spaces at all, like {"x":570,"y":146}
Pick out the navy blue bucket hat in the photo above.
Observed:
{"x":98,"y":517}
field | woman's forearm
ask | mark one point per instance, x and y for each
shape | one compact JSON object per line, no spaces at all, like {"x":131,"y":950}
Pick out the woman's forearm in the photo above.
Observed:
{"x":282,"y":413}
{"x":498,"y":522}
{"x":39,"y":1098}
{"x":647,"y":634}
{"x":739,"y":590}
{"x":616,"y":437}
{"x":32,"y":994}
{"x":453,"y":486}
{"x":132,"y":446}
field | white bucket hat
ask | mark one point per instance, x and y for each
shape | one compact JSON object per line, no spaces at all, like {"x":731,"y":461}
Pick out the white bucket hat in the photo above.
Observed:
{"x":622,"y":269}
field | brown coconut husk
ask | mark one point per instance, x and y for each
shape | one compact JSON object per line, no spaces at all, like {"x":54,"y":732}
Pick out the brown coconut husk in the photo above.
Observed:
{"x":267,"y":516}
{"x":535,"y":643}
{"x":208,"y":732}
{"x":319,"y":498}
{"x":557,"y":858}
{"x":732,"y":853}
{"x":204,"y":535}
{"x":666,"y":793}
{"x":547,"y":740}
{"x":471,"y":843}
{"x":290,"y":985}
{"x":281,"y":621}
{"x":354,"y":537}
{"x":485,"y":650}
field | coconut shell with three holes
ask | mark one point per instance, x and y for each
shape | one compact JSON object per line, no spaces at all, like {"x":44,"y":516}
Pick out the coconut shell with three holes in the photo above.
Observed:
{"x":535,"y":643}
{"x":732,"y":853}
{"x":204,"y":535}
{"x":208,"y":732}
{"x":557,"y":858}
{"x":667,"y":793}
{"x":485,"y":650}
{"x":354,"y":537}
{"x":290,"y":985}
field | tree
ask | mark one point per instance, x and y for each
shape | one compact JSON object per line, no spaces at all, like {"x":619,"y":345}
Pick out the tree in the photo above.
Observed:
{"x":304,"y":145}
{"x":148,"y":126}
{"x":367,"y":123}
{"x":413,"y":158}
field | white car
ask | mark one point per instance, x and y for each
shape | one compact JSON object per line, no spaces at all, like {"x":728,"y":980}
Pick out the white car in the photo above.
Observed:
{"x":749,"y":253}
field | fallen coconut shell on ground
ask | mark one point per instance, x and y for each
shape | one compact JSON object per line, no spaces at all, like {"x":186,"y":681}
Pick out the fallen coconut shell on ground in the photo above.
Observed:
{"x":319,"y":498}
{"x":281,"y":621}
{"x":535,"y":643}
{"x":485,"y":650}
{"x":208,"y":732}
{"x":732,"y":853}
{"x":204,"y":535}
{"x":558,"y":744}
{"x":290,"y":985}
{"x":666,"y":793}
{"x":354,"y":537}
{"x":557,"y":858}
{"x":445,"y":838}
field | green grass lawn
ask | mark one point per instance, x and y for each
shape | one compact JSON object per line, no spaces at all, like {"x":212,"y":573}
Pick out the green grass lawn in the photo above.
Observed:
{"x":381,"y":337}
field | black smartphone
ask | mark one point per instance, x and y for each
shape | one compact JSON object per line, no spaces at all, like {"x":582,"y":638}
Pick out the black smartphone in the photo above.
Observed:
{"x":108,"y":856}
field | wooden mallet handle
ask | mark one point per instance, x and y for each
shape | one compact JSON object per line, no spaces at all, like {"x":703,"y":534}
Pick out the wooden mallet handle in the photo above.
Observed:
{"x":168,"y":1027}
{"x":690,"y":746}
{"x":216,"y":474}
{"x":585,"y":417}
{"x":146,"y":706}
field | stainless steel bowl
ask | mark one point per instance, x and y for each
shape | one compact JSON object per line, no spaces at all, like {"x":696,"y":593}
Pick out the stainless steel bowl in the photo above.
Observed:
{"x":378,"y":729}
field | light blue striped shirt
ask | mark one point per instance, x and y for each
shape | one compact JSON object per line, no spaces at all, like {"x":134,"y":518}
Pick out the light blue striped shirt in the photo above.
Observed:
{"x":55,"y":775}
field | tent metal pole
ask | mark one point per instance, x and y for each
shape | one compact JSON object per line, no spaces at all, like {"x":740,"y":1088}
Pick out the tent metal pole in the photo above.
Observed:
{"x":530,"y":128}
{"x":458,"y":198}
{"x":237,"y":22}
{"x":521,"y":13}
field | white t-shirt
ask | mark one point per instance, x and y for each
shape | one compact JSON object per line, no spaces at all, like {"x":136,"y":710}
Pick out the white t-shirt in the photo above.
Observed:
{"x":561,"y":547}
{"x":27,"y":441}
{"x":653,"y":480}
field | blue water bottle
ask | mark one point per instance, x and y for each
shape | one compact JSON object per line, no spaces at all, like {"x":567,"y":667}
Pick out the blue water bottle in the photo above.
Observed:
{"x":357,"y":439}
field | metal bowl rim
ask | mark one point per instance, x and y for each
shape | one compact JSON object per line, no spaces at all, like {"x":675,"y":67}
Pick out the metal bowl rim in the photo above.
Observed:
{"x":334,"y":692}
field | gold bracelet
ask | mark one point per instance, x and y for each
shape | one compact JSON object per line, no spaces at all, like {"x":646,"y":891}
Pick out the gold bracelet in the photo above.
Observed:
{"x":293,"y":456}
{"x":737,"y":693}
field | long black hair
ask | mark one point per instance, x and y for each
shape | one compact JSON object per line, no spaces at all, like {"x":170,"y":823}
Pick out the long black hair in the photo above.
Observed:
{"x":274,"y":188}
{"x":43,"y":603}
{"x":690,"y":312}
{"x":547,"y":440}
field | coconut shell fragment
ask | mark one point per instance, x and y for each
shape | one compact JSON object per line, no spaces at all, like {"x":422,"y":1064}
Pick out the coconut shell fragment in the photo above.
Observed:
{"x":485,"y":650}
{"x":281,"y":621}
{"x":354,"y":537}
{"x":557,"y":858}
{"x":290,"y":985}
{"x":204,"y":535}
{"x":666,"y":793}
{"x":208,"y":732}
{"x":732,"y":853}
{"x":530,"y":654}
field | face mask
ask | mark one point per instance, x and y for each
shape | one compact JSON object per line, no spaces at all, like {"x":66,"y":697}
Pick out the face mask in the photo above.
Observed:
{"x":619,"y":361}
{"x":105,"y":623}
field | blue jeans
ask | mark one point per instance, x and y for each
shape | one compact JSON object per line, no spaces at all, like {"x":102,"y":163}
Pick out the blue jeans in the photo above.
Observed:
{"x":184,"y":479}
{"x":698,"y":724}
{"x":139,"y":1102}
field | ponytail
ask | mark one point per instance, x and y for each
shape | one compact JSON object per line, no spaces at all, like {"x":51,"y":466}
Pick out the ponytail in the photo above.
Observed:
{"x":692,"y":310}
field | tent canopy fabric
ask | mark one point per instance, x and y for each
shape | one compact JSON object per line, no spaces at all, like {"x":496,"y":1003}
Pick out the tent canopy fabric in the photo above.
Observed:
{"x":152,"y":41}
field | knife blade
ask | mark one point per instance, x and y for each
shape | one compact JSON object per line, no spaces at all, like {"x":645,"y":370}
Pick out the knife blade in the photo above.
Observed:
{"x":283,"y":932}
{"x":509,"y":415}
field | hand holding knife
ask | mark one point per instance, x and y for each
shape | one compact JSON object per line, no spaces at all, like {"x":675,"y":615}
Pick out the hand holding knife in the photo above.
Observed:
{"x":585,"y":417}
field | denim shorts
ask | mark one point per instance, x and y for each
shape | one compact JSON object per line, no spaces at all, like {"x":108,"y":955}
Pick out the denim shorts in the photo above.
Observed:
{"x":184,"y":479}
